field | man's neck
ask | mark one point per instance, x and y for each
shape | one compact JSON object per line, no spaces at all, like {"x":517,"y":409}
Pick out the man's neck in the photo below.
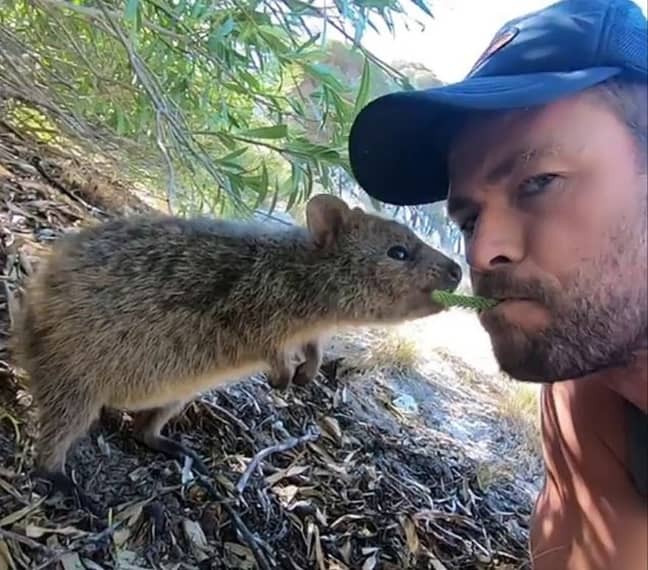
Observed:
{"x":629,"y":381}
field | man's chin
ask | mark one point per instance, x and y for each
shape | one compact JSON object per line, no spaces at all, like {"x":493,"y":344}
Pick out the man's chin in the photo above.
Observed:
{"x":519,"y":355}
{"x":536,"y":359}
{"x":521,"y":370}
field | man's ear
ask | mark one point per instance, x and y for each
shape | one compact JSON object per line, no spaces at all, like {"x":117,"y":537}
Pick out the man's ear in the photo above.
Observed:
{"x":326,"y":216}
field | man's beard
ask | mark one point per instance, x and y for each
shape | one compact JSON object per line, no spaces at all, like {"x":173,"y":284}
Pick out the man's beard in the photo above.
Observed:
{"x":598,"y":319}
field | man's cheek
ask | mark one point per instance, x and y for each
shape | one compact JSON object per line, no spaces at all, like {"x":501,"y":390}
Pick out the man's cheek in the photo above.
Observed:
{"x":558,"y":249}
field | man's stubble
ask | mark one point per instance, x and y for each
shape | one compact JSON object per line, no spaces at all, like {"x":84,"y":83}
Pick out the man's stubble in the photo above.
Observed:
{"x":598,"y":319}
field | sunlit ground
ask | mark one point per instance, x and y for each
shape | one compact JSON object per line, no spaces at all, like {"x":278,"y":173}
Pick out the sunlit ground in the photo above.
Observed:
{"x":441,"y":371}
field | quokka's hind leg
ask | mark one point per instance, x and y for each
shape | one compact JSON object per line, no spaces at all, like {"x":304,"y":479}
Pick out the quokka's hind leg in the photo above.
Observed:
{"x":147,"y":428}
{"x":307,"y":370}
{"x":65,"y":415}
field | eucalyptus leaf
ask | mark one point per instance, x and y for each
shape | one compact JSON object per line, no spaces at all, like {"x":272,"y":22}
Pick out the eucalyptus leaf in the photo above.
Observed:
{"x":274,"y":132}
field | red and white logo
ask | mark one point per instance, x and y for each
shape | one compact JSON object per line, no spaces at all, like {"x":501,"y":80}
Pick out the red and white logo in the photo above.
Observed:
{"x":501,"y":39}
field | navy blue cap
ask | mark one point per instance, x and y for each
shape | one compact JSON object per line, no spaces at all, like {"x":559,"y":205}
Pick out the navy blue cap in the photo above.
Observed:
{"x":398,"y":144}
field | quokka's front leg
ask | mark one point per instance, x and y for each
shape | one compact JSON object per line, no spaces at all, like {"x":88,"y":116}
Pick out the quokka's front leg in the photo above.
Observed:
{"x":307,"y":370}
{"x":282,"y":370}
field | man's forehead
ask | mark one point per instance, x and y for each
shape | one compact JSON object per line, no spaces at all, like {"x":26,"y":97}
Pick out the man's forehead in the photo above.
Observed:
{"x":489,"y":146}
{"x":485,"y":134}
{"x":489,"y":164}
{"x":516,"y":156}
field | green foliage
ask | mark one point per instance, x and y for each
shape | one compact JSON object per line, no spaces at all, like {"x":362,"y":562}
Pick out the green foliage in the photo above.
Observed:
{"x":230,"y":105}
{"x":464,"y":301}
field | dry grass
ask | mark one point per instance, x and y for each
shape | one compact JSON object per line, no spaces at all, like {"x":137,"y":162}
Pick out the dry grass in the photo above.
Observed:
{"x":491,"y":474}
{"x":520,"y":404}
{"x":518,"y":410}
{"x":466,"y":374}
{"x":394,"y":351}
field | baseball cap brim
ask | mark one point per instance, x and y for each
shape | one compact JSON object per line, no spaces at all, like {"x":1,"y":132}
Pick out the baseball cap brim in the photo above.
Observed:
{"x":398,"y":144}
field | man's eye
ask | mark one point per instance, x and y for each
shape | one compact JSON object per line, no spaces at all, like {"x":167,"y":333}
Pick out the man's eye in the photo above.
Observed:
{"x":537,"y":184}
{"x":467,"y":227}
{"x":398,"y":252}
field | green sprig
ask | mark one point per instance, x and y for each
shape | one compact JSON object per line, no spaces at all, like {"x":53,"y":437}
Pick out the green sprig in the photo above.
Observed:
{"x":447,"y":299}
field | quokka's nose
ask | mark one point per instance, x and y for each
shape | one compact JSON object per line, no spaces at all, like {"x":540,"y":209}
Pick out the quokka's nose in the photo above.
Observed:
{"x":453,"y":275}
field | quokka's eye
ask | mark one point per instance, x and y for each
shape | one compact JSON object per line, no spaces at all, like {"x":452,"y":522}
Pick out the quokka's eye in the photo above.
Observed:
{"x":398,"y":252}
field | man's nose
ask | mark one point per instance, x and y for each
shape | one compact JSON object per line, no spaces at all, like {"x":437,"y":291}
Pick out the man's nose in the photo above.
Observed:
{"x":497,"y":240}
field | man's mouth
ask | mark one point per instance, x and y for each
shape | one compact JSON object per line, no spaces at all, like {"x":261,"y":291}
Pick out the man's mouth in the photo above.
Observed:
{"x":504,"y":301}
{"x":503,"y":298}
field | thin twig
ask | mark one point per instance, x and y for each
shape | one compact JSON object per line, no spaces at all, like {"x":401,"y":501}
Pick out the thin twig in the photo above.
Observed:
{"x":9,"y":534}
{"x":36,"y":163}
{"x":214,"y":406}
{"x":246,"y":535}
{"x":278,"y":448}
{"x":171,"y":184}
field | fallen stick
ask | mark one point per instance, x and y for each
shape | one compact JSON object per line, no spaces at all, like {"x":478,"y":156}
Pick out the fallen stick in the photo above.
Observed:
{"x":244,"y":532}
{"x":290,"y":443}
{"x":8,"y":534}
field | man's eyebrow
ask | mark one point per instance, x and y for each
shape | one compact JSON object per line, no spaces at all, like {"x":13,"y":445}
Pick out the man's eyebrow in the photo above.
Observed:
{"x":457,"y":204}
{"x":503,"y":169}
{"x":509,"y":164}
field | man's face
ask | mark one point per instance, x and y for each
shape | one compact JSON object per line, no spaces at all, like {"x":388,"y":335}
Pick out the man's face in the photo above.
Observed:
{"x":553,"y":205}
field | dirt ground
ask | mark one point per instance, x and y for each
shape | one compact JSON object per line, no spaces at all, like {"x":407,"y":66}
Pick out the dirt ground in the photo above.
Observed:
{"x":337,"y":475}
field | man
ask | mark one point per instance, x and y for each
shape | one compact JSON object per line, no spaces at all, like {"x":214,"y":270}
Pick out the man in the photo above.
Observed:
{"x":541,"y":152}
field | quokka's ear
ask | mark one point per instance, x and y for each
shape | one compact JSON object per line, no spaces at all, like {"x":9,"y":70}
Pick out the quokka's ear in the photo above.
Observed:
{"x":326,"y":216}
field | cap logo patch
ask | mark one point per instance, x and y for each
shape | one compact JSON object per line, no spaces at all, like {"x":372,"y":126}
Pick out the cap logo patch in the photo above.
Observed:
{"x":501,"y":39}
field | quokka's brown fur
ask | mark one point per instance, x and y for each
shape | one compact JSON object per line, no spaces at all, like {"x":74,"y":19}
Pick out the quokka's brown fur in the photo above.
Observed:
{"x":144,"y":313}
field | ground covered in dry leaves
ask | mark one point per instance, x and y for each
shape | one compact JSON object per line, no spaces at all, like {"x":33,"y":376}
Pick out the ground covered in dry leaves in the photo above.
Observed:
{"x":330,"y":476}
